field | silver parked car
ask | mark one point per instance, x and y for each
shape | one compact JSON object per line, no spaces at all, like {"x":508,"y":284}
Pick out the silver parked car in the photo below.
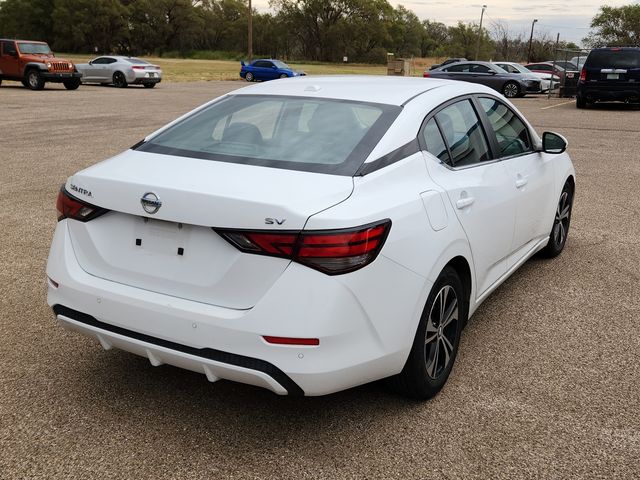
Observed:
{"x":511,"y":85}
{"x":120,"y":71}
{"x":547,"y":80}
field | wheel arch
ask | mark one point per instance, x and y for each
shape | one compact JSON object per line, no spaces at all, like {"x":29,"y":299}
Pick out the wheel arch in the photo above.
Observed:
{"x":463,"y":269}
{"x":32,"y":65}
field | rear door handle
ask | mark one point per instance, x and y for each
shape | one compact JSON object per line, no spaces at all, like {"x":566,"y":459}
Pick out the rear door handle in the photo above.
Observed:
{"x":464,"y":202}
{"x":521,"y":181}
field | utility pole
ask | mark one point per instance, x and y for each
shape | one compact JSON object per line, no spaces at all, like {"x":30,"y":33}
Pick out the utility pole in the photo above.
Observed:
{"x":250,"y":41}
{"x":480,"y":32}
{"x":531,"y":40}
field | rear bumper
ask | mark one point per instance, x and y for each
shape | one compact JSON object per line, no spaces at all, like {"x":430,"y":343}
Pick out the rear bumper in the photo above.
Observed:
{"x":215,"y":364}
{"x":609,"y":92}
{"x":364,"y":335}
{"x":60,"y":77}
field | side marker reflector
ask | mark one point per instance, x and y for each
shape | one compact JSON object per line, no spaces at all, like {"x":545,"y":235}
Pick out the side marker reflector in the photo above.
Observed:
{"x":292,"y":341}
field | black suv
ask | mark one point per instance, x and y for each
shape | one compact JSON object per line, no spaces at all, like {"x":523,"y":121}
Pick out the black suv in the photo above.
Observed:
{"x":610,"y":74}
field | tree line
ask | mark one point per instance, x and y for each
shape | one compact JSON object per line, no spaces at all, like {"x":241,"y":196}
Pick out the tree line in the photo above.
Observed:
{"x":310,"y":30}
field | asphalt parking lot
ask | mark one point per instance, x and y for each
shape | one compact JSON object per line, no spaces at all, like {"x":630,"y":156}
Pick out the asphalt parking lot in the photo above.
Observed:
{"x":547,"y":382}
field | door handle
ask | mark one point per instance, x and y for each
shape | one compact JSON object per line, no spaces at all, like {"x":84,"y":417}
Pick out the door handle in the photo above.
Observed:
{"x":521,"y":181}
{"x":464,"y":202}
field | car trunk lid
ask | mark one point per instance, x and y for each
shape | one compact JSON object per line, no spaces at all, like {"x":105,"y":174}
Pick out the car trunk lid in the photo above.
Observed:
{"x":175,"y":250}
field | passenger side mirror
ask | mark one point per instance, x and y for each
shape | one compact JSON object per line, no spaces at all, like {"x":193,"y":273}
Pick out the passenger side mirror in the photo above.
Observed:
{"x":553,"y":143}
{"x":90,"y":62}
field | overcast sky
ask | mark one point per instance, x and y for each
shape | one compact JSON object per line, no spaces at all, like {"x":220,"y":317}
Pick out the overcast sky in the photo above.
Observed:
{"x":569,"y":19}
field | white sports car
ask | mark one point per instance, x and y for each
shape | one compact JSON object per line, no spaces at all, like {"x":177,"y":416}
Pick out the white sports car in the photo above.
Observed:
{"x":310,"y":234}
{"x":120,"y":71}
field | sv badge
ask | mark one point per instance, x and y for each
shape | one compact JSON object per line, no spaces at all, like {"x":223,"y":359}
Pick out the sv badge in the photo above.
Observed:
{"x":274,"y":221}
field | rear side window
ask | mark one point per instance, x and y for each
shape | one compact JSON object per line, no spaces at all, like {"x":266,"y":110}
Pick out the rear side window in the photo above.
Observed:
{"x":613,"y":59}
{"x":297,"y":133}
{"x":463,"y":134}
{"x":8,"y":48}
{"x":434,"y":142}
{"x":511,"y":132}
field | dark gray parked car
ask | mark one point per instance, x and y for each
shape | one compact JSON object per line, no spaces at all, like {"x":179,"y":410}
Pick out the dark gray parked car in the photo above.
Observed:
{"x":511,"y":85}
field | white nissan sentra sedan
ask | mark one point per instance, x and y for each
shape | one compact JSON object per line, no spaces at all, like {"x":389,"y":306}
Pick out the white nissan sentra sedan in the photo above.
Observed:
{"x":310,"y":234}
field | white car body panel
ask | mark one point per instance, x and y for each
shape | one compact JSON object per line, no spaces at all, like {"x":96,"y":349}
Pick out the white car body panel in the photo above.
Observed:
{"x":166,"y":307}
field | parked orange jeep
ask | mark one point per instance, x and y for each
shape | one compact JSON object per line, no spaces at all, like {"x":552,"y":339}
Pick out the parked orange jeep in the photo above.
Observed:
{"x":34,"y":64}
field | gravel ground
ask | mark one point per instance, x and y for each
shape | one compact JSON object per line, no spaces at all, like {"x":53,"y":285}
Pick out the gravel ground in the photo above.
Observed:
{"x":546,"y":383}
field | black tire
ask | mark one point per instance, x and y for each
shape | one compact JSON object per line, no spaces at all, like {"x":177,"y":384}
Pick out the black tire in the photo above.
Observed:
{"x":0,"y":81}
{"x":511,"y":90}
{"x":72,"y":84}
{"x":24,"y":83}
{"x":561,"y":223}
{"x":33,"y":79}
{"x":249,"y":77}
{"x":436,"y":342}
{"x":149,"y":85}
{"x":284,"y":75}
{"x":119,"y":80}
{"x":580,"y":102}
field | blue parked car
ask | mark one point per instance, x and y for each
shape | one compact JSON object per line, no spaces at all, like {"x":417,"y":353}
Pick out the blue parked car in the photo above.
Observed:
{"x":265,"y":69}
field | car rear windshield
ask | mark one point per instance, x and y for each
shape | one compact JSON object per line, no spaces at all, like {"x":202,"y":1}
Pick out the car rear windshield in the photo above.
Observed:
{"x":614,"y":59}
{"x":137,"y":61}
{"x":296,"y":133}
{"x":34,"y":48}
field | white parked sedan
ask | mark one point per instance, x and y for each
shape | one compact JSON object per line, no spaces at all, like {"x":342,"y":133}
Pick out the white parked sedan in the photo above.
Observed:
{"x":311,"y":234}
{"x":547,"y":80}
{"x":120,"y":71}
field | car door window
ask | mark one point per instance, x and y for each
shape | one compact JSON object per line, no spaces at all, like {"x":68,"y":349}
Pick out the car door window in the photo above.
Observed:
{"x":434,"y":142}
{"x":463,"y":134}
{"x":480,"y":69}
{"x":100,"y":61}
{"x":457,"y":68}
{"x":511,"y":132}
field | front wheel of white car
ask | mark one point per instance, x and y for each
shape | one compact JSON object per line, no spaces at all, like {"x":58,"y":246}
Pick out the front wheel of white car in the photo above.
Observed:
{"x":436,"y":342}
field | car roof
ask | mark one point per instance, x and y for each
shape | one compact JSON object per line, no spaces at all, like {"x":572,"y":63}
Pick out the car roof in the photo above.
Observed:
{"x":362,"y":88}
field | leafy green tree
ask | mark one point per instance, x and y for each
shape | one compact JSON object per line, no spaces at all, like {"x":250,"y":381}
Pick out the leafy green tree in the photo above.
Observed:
{"x":463,"y":41}
{"x":29,"y":19}
{"x":615,"y":26}
{"x":406,"y":32}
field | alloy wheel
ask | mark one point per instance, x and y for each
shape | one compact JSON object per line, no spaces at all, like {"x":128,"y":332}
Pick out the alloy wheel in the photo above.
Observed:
{"x":441,"y":332}
{"x":511,"y":90}
{"x":33,"y":80}
{"x":561,"y":221}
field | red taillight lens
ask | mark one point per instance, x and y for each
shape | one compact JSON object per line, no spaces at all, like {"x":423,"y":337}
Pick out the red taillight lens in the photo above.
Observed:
{"x":69,"y":206}
{"x":310,"y":342}
{"x":425,"y":74}
{"x":137,"y":67}
{"x":583,"y":75}
{"x":330,"y":251}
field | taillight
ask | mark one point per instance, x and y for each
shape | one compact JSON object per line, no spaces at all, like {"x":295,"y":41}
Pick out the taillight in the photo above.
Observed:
{"x":583,"y":75}
{"x":69,"y":206}
{"x":330,"y":251}
{"x":135,"y":67}
{"x":426,"y":74}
